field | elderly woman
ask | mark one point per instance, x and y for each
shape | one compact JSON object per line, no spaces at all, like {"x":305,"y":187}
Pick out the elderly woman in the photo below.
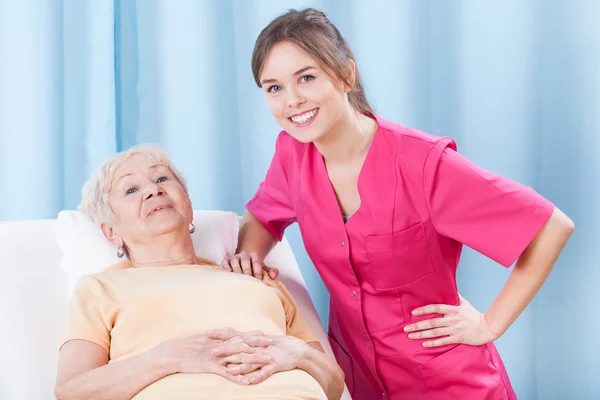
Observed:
{"x":155,"y":326}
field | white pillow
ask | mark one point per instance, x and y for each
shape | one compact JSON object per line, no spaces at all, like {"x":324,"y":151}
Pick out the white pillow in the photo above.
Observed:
{"x":86,"y":250}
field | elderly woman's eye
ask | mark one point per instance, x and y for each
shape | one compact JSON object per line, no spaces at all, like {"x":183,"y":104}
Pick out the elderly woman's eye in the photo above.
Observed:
{"x":161,"y":179}
{"x":130,"y":191}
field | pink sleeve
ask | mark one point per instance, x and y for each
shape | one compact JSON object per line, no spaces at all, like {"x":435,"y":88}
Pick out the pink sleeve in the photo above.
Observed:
{"x":489,"y":213}
{"x":272,"y":204}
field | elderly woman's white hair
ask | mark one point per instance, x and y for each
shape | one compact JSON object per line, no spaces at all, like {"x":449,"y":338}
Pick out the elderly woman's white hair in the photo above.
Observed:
{"x":94,"y":195}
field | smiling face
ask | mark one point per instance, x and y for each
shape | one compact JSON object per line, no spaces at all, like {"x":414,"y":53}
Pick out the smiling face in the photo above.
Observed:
{"x":303,"y":98}
{"x":147,"y":201}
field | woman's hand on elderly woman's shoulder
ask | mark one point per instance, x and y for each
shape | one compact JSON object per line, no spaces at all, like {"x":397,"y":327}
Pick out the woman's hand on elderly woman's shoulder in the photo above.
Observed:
{"x":249,"y":264}
{"x":203,"y":354}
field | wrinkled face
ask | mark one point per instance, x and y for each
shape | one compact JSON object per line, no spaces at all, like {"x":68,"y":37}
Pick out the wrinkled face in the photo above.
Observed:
{"x":303,"y":98}
{"x":147,"y":200}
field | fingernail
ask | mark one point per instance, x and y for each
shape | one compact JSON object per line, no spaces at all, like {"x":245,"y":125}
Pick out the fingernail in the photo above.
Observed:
{"x":415,"y":312}
{"x":215,"y":351}
{"x":425,"y":344}
{"x":253,"y":380}
{"x":412,"y":335}
{"x":407,"y":329}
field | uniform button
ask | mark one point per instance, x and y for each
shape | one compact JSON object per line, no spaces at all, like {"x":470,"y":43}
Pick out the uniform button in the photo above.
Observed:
{"x":353,"y":293}
{"x":368,"y":344}
{"x":384,"y":396}
{"x":342,"y":243}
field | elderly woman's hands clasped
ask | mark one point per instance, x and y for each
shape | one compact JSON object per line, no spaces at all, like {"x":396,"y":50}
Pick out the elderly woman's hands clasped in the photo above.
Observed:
{"x":276,"y":353}
{"x":243,"y":357}
{"x":228,"y":355}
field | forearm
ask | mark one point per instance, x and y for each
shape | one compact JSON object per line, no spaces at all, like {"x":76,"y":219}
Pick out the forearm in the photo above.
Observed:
{"x":530,"y":272}
{"x":253,"y":237}
{"x":325,"y":371}
{"x":119,"y":380}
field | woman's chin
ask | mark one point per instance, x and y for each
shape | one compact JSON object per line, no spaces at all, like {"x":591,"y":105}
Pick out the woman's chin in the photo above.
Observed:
{"x":305,"y":135}
{"x":168,"y":226}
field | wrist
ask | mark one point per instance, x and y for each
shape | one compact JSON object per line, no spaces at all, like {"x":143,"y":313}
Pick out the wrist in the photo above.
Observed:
{"x":305,"y":356}
{"x":494,"y":331}
{"x":167,"y":358}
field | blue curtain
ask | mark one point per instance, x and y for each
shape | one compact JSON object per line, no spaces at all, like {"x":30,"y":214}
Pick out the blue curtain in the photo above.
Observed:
{"x":516,"y":83}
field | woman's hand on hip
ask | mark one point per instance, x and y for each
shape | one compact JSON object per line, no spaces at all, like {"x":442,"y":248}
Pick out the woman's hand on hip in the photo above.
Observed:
{"x":248,"y":264}
{"x":458,"y":324}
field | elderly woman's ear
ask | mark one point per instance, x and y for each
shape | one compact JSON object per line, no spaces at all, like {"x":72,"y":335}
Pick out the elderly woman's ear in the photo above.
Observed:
{"x":110,"y":233}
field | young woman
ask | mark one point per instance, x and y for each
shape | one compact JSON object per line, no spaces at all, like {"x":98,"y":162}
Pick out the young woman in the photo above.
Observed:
{"x":384,"y":211}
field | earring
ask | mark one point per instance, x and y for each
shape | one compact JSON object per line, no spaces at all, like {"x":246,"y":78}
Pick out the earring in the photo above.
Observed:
{"x":192,"y":228}
{"x":120,"y":252}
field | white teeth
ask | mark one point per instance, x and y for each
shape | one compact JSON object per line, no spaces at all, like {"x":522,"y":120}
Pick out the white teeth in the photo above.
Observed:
{"x":300,"y":119}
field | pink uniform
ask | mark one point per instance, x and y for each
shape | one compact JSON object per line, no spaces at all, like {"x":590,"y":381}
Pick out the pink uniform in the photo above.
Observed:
{"x":420,"y":202}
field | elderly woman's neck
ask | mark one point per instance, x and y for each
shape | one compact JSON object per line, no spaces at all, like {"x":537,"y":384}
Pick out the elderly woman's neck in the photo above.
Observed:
{"x":164,"y":252}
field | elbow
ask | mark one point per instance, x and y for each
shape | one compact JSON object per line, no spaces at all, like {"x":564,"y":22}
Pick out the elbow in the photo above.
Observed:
{"x":60,"y":393}
{"x":64,"y":392}
{"x":569,"y":226}
{"x":566,"y":224}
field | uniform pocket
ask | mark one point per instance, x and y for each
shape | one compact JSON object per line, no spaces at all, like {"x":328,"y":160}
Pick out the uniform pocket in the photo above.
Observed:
{"x":345,"y":362}
{"x":462,"y":373}
{"x":399,"y":259}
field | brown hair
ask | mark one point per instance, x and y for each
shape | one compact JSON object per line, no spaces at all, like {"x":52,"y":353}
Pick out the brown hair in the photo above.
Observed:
{"x":312,"y":31}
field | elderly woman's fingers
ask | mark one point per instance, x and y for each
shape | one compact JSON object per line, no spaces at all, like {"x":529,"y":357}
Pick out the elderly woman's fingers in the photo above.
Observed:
{"x":228,"y":349}
{"x":225,"y":373}
{"x":260,"y":374}
{"x":238,"y":359}
{"x":243,"y":369}
{"x":254,"y":340}
{"x":221,"y":334}
{"x":257,"y":340}
{"x":231,"y":336}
